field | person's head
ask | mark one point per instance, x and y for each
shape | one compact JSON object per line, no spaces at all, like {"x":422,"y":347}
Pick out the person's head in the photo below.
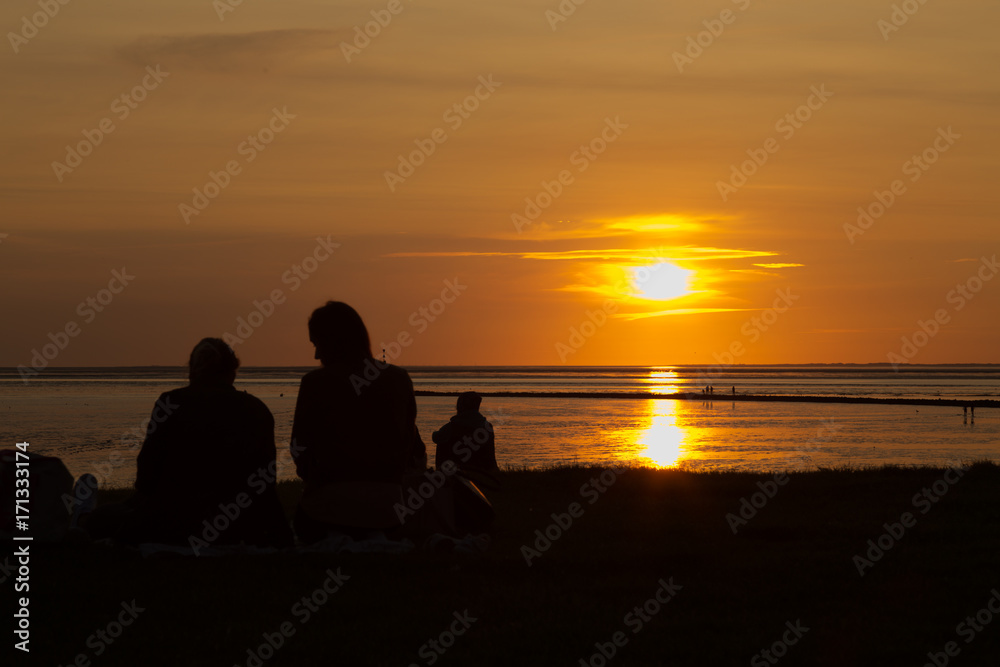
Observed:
{"x":468,"y":402}
{"x":339,"y":334}
{"x":212,"y":362}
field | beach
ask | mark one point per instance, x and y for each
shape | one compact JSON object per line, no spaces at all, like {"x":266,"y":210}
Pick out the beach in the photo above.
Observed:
{"x":595,"y":566}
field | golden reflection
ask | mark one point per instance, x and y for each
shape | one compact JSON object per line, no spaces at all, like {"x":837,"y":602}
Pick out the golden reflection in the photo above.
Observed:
{"x":662,"y":443}
{"x":662,"y":380}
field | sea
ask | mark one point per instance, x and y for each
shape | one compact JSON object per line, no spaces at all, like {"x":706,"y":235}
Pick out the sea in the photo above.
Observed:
{"x":94,"y":418}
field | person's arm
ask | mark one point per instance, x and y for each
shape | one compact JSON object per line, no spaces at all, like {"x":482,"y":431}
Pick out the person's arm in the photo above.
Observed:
{"x":445,"y":438}
{"x":304,"y":429}
{"x":417,"y":454}
{"x":149,"y":464}
{"x":266,"y":450}
{"x":418,"y":460}
{"x":491,"y":447}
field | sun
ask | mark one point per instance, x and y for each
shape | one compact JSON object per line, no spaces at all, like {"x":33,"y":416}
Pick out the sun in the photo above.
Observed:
{"x":661,"y":282}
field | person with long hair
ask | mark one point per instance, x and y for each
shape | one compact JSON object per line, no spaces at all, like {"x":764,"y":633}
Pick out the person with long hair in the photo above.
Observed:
{"x":354,"y":432}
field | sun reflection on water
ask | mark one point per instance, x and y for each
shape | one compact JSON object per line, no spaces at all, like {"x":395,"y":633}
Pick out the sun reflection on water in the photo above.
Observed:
{"x":662,"y":380}
{"x":662,"y":443}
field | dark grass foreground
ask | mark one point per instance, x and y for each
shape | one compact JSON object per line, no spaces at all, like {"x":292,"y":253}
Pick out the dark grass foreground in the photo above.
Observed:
{"x":732,"y":595}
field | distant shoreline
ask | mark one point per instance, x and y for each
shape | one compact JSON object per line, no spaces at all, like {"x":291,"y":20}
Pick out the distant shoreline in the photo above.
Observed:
{"x":724,"y":397}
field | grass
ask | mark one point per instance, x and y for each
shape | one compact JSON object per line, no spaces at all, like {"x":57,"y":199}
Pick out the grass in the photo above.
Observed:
{"x":792,"y":561}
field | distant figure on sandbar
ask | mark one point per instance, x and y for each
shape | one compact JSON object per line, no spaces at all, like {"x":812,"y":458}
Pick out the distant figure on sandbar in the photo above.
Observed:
{"x":467,"y":440}
{"x":734,"y":390}
{"x":209,"y":448}
{"x":354,"y":433}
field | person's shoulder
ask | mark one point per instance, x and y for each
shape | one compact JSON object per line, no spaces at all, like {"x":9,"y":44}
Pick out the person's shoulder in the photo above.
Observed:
{"x":248,"y":403}
{"x":178,"y":395}
{"x":390,"y":376}
{"x":396,"y":372}
{"x":315,"y":375}
{"x":249,"y":399}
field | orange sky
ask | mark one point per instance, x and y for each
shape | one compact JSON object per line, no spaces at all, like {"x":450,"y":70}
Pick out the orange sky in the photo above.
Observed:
{"x":612,"y":110}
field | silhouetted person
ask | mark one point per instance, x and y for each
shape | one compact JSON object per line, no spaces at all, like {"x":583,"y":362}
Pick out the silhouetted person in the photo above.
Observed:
{"x":206,"y":472}
{"x":467,"y":440}
{"x":354,"y":432}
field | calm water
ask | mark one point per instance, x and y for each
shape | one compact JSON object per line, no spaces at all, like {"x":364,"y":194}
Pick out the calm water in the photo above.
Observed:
{"x":91,"y":417}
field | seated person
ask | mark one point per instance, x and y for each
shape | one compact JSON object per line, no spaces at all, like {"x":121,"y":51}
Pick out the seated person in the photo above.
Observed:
{"x":467,"y":440}
{"x":208,"y":455}
{"x":354,"y":433}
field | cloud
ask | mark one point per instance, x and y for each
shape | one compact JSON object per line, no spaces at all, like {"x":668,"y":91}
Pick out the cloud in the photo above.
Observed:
{"x":252,"y":51}
{"x":677,"y":311}
{"x":630,"y":255}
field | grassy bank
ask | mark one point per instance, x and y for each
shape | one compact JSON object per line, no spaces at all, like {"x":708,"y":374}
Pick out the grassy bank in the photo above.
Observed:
{"x":791,"y":560}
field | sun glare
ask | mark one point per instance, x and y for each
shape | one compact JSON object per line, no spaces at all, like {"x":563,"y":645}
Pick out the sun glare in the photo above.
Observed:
{"x":661,"y":282}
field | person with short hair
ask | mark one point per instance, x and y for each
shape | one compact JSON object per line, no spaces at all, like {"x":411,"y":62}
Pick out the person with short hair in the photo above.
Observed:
{"x":206,"y":473}
{"x":468,"y":439}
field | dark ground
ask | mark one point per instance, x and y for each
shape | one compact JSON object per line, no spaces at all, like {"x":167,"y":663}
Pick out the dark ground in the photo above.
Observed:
{"x":792,"y":562}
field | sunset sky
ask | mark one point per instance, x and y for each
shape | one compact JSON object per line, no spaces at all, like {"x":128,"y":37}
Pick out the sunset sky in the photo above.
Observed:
{"x":622,"y":132}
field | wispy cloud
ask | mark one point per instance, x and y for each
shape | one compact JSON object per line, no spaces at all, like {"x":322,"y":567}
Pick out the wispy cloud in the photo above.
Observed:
{"x":251,"y":51}
{"x":629,"y":255}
